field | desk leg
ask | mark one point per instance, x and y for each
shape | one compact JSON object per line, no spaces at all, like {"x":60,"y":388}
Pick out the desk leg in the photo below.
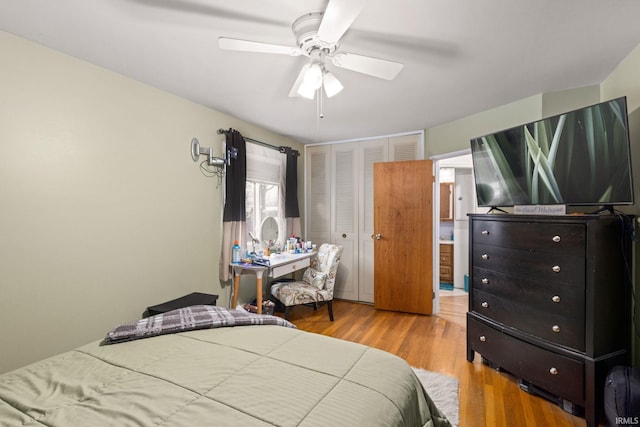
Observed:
{"x":259,"y":291}
{"x":236,"y":289}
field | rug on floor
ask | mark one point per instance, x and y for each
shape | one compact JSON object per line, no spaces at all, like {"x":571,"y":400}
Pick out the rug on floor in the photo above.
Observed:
{"x":443,"y":390}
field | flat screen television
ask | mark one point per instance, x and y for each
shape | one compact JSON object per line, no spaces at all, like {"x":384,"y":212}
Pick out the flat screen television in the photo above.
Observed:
{"x":580,"y":158}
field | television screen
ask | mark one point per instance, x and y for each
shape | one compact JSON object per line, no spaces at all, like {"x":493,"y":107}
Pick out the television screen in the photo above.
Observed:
{"x":578,"y":158}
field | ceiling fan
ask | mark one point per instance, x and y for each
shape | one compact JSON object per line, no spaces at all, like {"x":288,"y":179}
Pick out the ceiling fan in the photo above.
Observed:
{"x":317,"y":36}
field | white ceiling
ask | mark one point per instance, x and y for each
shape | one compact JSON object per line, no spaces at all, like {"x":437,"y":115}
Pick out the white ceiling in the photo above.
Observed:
{"x":460,"y":56}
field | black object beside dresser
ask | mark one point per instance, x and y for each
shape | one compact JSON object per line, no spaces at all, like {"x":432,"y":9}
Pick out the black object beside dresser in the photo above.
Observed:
{"x":549,"y":302}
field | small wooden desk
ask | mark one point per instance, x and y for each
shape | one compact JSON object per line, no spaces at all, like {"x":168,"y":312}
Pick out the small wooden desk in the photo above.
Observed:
{"x":281,"y":264}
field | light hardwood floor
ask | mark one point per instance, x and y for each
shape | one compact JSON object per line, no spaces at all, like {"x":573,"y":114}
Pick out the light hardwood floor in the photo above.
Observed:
{"x":438,"y":343}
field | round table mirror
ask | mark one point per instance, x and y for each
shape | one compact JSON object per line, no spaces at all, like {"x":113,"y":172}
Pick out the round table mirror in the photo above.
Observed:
{"x":269,"y":230}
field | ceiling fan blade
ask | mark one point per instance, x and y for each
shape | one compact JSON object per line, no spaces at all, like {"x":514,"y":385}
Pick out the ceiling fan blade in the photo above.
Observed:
{"x":296,"y":86}
{"x":381,"y":68}
{"x":337,"y":19}
{"x":251,"y":46}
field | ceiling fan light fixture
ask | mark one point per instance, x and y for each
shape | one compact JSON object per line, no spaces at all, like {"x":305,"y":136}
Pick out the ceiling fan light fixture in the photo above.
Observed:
{"x":318,"y":36}
{"x":306,"y":91}
{"x":313,"y":76}
{"x":332,"y":85}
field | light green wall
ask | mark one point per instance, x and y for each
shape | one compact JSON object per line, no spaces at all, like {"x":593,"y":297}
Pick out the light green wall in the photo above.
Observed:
{"x":455,"y":136}
{"x":103,"y":212}
{"x":559,"y":102}
{"x":624,"y":81}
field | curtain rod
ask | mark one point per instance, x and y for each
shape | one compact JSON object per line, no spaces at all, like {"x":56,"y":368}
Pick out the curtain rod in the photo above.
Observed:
{"x":255,"y":141}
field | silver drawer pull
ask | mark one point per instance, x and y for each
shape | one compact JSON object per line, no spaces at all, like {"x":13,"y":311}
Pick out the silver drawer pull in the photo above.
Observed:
{"x":485,"y":256}
{"x":556,"y":239}
{"x":553,"y":371}
{"x":555,"y":328}
{"x":556,"y":268}
{"x":555,"y":298}
{"x":485,"y":281}
{"x":485,"y":232}
{"x":485,"y":304}
{"x":483,"y":338}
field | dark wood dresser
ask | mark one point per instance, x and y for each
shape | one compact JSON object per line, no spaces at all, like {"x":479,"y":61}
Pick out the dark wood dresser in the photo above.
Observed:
{"x":549,"y":302}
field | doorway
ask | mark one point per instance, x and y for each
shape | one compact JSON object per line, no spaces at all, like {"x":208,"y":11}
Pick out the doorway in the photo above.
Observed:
{"x":454,"y":173}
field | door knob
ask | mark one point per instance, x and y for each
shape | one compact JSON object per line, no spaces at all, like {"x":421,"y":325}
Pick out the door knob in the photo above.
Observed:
{"x":376,"y":236}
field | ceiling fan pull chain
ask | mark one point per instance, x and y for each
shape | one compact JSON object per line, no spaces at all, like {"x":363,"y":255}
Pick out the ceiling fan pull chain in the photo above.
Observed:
{"x":318,"y":115}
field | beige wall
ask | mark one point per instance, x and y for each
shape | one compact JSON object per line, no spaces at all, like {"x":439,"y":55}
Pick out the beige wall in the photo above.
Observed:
{"x":103,"y":212}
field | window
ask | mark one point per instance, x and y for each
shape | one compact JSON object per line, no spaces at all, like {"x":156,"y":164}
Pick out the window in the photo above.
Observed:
{"x":265,"y":190}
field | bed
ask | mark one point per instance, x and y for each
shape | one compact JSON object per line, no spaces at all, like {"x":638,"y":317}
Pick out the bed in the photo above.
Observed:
{"x":256,"y":372}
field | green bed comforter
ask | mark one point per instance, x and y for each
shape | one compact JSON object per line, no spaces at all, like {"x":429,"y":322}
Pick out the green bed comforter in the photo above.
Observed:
{"x":257,"y":375}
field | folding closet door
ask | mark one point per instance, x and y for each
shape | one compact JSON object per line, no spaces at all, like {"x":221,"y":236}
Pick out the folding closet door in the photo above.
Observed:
{"x":318,"y":194}
{"x":344,"y":216}
{"x":331,"y":208}
{"x":371,"y":151}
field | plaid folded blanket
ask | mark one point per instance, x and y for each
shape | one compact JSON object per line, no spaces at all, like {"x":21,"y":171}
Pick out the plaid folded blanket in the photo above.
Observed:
{"x":188,"y":319}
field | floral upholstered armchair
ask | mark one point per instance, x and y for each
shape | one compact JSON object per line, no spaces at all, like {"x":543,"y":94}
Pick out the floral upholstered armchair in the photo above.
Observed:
{"x":317,"y":282}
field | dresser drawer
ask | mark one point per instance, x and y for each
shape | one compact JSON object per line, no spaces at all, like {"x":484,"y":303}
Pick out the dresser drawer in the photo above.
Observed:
{"x":445,"y":259}
{"x":446,"y":270}
{"x":446,"y":274}
{"x":446,"y":254}
{"x":559,"y":375}
{"x":545,"y":295}
{"x":446,"y":249}
{"x":289,"y":268}
{"x":551,"y":323}
{"x":566,"y":239}
{"x":531,"y":264}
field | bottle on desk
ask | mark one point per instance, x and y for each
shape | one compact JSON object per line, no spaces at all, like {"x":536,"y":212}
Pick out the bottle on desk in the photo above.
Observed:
{"x":235,"y":252}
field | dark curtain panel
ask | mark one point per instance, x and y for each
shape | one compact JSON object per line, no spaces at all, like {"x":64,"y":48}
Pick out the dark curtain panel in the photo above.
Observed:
{"x":291,"y":209}
{"x":236,"y":179}
{"x":235,"y":213}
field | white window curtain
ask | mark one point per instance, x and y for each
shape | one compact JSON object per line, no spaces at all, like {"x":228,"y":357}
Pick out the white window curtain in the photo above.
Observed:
{"x":266,"y":165}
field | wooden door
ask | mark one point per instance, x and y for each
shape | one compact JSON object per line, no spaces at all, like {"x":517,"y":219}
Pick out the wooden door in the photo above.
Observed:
{"x":403,"y":247}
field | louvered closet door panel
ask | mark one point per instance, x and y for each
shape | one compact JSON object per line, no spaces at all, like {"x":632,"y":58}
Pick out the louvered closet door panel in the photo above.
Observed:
{"x":406,"y":147}
{"x":318,"y":194}
{"x":345,"y":217}
{"x":372,"y":151}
